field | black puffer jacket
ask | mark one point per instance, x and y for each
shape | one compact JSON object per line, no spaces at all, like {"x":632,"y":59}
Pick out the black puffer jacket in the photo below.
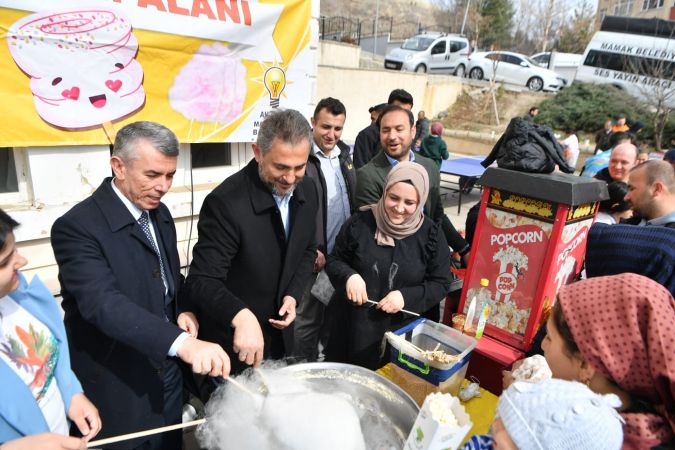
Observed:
{"x":528,"y":147}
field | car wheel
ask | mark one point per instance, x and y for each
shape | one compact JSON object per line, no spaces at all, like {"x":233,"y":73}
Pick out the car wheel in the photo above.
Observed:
{"x":535,"y":84}
{"x":421,"y":68}
{"x":460,"y":71}
{"x":476,"y":73}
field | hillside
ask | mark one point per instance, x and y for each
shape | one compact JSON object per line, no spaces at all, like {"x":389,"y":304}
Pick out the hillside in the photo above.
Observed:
{"x":401,"y":17}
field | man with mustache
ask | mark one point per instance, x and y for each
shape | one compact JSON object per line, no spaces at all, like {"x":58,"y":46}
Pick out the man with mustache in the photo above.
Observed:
{"x":256,"y":247}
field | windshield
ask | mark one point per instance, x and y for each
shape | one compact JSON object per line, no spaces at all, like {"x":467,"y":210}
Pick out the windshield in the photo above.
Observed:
{"x":417,"y":43}
{"x":542,"y":59}
{"x":532,"y":61}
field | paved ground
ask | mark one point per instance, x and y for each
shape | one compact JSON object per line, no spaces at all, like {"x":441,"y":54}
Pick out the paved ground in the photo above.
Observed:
{"x":451,"y":200}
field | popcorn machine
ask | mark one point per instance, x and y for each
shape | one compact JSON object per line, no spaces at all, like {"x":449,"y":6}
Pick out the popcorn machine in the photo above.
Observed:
{"x":530,"y":240}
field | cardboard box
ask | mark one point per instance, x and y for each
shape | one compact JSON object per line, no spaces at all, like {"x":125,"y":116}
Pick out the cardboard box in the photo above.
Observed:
{"x":431,"y":432}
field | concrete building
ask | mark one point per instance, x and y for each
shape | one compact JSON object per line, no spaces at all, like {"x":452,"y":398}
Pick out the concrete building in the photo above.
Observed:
{"x":659,"y":9}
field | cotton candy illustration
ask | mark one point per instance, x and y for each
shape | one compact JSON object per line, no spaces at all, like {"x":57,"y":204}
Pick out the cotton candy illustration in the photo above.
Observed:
{"x":211,"y":87}
{"x":81,"y":65}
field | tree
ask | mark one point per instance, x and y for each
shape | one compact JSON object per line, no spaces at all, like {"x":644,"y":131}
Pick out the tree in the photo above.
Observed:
{"x":522,"y":29}
{"x":547,"y":19}
{"x":577,"y":32}
{"x":454,"y":12}
{"x":496,"y":23}
{"x":655,"y":79}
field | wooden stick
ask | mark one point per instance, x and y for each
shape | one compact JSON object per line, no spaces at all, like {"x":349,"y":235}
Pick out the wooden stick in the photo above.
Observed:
{"x":242,"y":387}
{"x":265,"y":380}
{"x":109,"y":131}
{"x":403,"y":341}
{"x":139,"y":434}
{"x":403,"y":310}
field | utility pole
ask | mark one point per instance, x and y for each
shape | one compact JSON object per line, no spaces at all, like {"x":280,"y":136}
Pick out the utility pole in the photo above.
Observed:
{"x":466,"y":13}
{"x":377,"y":16}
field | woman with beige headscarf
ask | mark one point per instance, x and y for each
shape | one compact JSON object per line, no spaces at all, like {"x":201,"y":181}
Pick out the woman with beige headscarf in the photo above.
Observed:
{"x":388,"y":252}
{"x":616,"y":334}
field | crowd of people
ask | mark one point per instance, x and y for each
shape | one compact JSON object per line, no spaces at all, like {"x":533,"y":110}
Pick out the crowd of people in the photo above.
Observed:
{"x":307,"y":253}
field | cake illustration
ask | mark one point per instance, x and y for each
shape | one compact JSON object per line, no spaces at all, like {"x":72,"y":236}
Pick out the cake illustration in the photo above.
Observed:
{"x":81,"y":63}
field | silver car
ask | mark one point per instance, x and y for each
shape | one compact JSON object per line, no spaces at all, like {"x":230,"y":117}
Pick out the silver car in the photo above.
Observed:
{"x":432,"y":53}
{"x":514,"y":68}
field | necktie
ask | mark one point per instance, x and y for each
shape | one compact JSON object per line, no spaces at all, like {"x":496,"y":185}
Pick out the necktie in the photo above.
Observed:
{"x":144,"y":222}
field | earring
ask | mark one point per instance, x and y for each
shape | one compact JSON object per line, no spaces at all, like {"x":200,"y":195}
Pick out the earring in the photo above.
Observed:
{"x":587,"y":382}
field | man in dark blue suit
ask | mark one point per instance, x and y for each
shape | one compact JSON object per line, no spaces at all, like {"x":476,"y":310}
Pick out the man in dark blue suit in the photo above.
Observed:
{"x":120,"y":280}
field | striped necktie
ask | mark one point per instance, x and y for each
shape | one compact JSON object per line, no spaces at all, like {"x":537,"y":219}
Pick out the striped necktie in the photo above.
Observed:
{"x":144,"y":222}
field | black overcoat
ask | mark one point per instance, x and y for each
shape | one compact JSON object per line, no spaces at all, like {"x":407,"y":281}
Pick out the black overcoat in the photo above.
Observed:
{"x":418,"y":266}
{"x":113,"y":298}
{"x":242,"y":259}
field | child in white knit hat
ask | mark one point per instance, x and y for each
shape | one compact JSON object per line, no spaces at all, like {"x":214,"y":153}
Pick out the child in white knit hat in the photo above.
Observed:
{"x":553,"y":415}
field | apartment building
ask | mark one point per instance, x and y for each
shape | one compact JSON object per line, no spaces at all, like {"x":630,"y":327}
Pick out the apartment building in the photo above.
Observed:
{"x":660,"y":9}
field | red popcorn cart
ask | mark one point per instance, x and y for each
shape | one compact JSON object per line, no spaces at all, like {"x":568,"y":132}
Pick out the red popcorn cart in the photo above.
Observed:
{"x":530,"y":240}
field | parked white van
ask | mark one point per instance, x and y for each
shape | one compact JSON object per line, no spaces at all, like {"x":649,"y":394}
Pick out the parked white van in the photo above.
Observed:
{"x":430,"y":52}
{"x":564,"y":64}
{"x":636,"y":55}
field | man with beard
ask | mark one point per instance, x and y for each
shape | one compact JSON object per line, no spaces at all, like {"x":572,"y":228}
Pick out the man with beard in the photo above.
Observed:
{"x":396,"y":135}
{"x":367,"y":143}
{"x":256,"y":247}
{"x":651,"y":192}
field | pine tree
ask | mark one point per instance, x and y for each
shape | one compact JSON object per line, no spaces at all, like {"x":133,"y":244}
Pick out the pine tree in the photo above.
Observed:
{"x":495,"y":23}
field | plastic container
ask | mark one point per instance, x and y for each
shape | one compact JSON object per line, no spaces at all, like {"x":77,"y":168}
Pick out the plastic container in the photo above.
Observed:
{"x":419,"y":377}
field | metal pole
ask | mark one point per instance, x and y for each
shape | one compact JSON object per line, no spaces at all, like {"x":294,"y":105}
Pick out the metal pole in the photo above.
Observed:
{"x":377,"y":14}
{"x":466,"y":13}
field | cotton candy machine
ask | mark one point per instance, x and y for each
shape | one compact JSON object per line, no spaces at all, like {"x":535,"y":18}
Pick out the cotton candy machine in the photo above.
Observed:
{"x":386,"y":412}
{"x":308,"y":406}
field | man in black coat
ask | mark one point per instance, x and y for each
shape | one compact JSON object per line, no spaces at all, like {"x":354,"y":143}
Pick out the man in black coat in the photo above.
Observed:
{"x":120,"y":280}
{"x":602,"y":138}
{"x":257,"y":245}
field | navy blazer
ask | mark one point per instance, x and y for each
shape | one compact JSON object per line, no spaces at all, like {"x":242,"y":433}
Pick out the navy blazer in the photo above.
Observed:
{"x":242,"y":259}
{"x":113,"y":297}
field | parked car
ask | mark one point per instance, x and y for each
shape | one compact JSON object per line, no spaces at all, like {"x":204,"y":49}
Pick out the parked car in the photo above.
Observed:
{"x":513,"y":68}
{"x":564,"y":64}
{"x":429,"y":52}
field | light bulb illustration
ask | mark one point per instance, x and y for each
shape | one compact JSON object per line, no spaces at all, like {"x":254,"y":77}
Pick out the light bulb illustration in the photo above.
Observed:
{"x":275,"y":82}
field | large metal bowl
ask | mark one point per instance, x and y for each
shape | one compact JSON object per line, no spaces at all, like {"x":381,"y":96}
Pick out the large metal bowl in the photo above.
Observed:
{"x":386,"y":412}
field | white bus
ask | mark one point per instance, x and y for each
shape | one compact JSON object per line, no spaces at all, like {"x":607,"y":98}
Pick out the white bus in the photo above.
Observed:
{"x":636,"y":55}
